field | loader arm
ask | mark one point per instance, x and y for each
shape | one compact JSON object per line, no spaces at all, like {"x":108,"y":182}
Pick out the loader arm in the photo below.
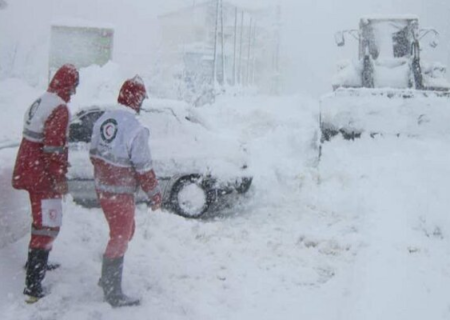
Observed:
{"x":415,"y":65}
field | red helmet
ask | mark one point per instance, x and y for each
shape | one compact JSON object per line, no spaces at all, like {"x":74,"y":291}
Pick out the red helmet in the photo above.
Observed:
{"x":133,"y":93}
{"x":65,"y":82}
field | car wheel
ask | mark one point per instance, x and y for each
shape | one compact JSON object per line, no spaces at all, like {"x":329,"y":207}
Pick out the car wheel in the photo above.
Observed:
{"x":190,"y":196}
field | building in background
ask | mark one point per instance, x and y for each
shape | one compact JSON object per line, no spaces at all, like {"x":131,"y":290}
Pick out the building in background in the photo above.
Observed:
{"x":216,"y":44}
{"x":81,"y":44}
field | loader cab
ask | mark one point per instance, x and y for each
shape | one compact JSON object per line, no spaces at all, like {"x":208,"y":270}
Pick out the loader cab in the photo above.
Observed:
{"x":374,"y":88}
{"x":388,"y":54}
{"x":387,"y":38}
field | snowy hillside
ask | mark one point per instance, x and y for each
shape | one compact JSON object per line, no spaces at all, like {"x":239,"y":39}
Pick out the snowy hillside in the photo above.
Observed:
{"x":364,"y":234}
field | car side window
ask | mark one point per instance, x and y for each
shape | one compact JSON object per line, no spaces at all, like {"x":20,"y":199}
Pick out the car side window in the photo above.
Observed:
{"x":80,"y":130}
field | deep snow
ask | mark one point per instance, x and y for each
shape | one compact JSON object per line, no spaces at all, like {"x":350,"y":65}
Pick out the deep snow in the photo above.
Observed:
{"x":364,"y":234}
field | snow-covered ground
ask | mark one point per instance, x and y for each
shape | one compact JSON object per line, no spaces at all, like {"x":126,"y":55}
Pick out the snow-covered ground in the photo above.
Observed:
{"x":364,"y":234}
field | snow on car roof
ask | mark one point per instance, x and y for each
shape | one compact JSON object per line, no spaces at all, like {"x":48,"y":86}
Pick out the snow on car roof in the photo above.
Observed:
{"x":181,"y":139}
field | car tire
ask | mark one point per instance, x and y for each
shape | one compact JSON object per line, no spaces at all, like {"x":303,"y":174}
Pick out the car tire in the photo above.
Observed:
{"x":190,"y":196}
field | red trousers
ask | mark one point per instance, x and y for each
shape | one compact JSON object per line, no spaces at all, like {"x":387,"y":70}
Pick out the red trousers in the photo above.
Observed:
{"x":42,"y":236}
{"x":119,"y":212}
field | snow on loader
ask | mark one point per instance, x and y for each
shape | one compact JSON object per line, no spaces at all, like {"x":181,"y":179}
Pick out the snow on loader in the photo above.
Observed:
{"x":388,"y":90}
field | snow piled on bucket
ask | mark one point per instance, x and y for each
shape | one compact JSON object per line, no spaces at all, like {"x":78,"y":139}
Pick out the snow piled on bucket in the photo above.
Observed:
{"x":388,"y":112}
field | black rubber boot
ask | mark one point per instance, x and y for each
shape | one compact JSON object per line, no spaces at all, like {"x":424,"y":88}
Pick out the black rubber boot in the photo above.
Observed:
{"x":36,"y":268}
{"x":50,"y":266}
{"x":111,"y":283}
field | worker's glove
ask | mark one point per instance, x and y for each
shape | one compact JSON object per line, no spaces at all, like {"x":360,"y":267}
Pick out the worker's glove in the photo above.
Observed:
{"x":155,"y":201}
{"x":61,"y":187}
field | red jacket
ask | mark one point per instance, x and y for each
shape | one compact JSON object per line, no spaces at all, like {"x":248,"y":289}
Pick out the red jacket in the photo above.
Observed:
{"x":42,"y":159}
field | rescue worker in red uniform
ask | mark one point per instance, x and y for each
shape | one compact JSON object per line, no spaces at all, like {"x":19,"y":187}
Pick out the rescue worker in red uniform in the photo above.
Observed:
{"x":122,"y":162}
{"x":40,"y":169}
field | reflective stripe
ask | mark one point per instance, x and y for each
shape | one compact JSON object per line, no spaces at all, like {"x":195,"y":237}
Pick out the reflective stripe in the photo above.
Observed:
{"x":115,"y":189}
{"x":143,"y":167}
{"x":154,"y":192}
{"x":49,"y":149}
{"x":108,"y":157}
{"x":35,"y":136}
{"x":44,"y":232}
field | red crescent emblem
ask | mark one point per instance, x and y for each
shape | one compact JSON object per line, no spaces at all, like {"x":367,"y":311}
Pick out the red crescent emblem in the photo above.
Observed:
{"x":52,"y":214}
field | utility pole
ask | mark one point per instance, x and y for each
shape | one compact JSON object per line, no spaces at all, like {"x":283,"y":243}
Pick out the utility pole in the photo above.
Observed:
{"x":247,"y":71}
{"x":235,"y":45}
{"x":253,"y":60}
{"x":240,"y":48}
{"x":222,"y":45}
{"x":448,"y":42}
{"x":214,"y":73}
{"x":276,"y":62}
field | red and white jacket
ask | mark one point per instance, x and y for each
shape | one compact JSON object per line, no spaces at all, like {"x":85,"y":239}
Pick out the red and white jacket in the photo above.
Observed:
{"x":41,"y":162}
{"x":121,"y":154}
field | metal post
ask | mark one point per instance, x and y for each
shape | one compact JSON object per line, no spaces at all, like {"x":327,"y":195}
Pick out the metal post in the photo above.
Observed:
{"x":222,"y":45}
{"x":240,"y":49}
{"x":448,"y":43}
{"x":277,"y":50}
{"x":215,"y":46}
{"x":235,"y":45}
{"x":248,"y":52}
{"x":253,"y":60}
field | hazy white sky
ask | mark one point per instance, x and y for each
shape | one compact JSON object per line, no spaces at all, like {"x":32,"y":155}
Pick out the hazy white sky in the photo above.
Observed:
{"x":308,"y":30}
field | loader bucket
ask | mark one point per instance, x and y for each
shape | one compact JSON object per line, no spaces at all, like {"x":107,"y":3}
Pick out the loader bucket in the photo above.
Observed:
{"x":353,"y":113}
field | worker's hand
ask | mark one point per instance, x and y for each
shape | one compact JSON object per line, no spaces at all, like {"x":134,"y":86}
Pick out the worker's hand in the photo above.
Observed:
{"x":155,"y":201}
{"x":61,"y":187}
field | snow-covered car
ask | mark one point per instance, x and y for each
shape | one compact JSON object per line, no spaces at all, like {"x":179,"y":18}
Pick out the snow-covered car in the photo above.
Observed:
{"x":196,"y":167}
